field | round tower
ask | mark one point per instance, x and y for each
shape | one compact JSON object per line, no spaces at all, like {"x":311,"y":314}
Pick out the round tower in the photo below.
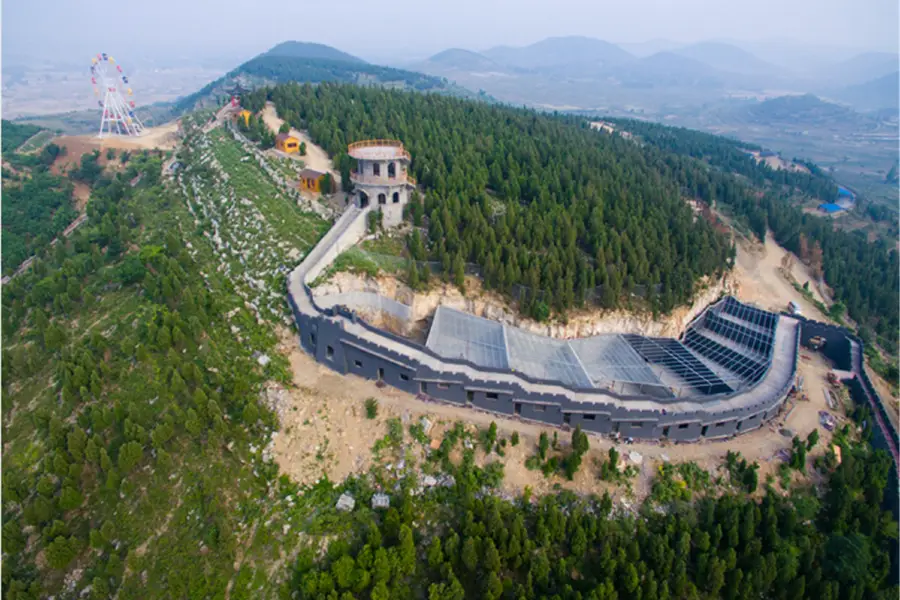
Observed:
{"x":381,"y":180}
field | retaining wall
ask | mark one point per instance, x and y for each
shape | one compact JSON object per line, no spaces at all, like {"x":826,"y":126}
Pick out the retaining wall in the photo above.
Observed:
{"x":325,"y":334}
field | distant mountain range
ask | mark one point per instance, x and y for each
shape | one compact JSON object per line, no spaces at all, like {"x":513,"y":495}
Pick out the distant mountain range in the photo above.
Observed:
{"x":585,"y":72}
{"x":311,"y":51}
{"x":714,"y":86}
{"x":728,"y":58}
{"x":314,"y":63}
{"x":561,"y":53}
{"x":878,"y":93}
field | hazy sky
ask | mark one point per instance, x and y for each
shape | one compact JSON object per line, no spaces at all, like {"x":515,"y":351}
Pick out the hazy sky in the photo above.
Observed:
{"x":66,"y":30}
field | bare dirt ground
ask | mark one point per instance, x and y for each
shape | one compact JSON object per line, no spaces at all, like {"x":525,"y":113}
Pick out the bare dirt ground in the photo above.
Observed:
{"x":81,"y":193}
{"x":325,"y":432}
{"x":760,"y":281}
{"x":157,"y":138}
{"x":777,"y":163}
{"x":316,"y":158}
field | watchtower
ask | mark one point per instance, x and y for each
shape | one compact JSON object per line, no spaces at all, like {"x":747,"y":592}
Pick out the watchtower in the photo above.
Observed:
{"x":381,"y":181}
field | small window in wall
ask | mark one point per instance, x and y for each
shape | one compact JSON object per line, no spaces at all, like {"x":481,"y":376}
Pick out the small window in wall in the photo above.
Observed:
{"x":392,"y":170}
{"x":539,"y":408}
{"x":704,"y":430}
{"x":491,"y":396}
{"x":684,"y":426}
{"x":443,"y":386}
{"x":720,"y":424}
{"x":312,"y":339}
{"x":376,"y":169}
{"x":382,"y":199}
{"x":424,"y":387}
{"x":329,"y":352}
{"x":380,"y":373}
{"x":357,"y":364}
{"x":590,"y":417}
{"x":396,"y":197}
{"x":404,"y":377}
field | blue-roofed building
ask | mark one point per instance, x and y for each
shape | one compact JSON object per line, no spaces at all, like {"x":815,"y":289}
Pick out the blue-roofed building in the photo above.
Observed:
{"x":830,"y":208}
{"x":842,"y":191}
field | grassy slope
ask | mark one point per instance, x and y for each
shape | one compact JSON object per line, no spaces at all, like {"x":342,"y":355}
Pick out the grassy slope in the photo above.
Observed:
{"x":194,"y":506}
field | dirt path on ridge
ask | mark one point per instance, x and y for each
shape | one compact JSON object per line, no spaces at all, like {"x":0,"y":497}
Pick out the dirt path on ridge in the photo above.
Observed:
{"x":758,"y":273}
{"x":316,"y":158}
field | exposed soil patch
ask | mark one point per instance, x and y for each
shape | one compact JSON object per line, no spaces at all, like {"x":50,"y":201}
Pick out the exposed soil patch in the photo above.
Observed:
{"x":157,"y":138}
{"x":324,"y":431}
{"x":760,"y":281}
{"x":315,"y":158}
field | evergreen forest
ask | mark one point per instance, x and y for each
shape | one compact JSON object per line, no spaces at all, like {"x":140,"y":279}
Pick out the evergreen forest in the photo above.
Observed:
{"x":535,"y":201}
{"x":136,"y":408}
{"x":543,"y":203}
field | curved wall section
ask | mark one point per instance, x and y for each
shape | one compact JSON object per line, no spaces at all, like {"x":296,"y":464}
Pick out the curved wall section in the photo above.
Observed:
{"x":339,"y":339}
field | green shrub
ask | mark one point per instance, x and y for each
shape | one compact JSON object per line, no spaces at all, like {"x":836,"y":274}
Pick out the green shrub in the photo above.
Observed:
{"x":371,"y":408}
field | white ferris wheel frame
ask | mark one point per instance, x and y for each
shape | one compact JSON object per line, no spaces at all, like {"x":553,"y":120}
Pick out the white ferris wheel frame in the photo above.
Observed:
{"x":114,"y":116}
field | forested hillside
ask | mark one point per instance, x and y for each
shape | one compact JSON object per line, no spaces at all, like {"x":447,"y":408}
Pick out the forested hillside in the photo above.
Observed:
{"x":864,"y":275}
{"x":15,"y":134}
{"x":125,"y":390}
{"x":35,"y":211}
{"x":312,"y":63}
{"x":37,"y":205}
{"x":569,"y":548}
{"x":535,"y":200}
{"x":137,"y":360}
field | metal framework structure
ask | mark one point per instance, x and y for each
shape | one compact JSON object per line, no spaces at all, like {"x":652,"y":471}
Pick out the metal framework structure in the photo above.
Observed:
{"x":109,"y":81}
{"x":727,"y":348}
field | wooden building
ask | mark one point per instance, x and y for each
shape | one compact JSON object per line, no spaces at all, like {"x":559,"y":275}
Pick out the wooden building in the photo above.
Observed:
{"x":314,"y":181}
{"x":287,"y":143}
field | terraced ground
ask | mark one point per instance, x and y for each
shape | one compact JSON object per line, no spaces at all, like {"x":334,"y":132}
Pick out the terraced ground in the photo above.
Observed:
{"x":258,"y":233}
{"x":37,"y":141}
{"x":201,"y":511}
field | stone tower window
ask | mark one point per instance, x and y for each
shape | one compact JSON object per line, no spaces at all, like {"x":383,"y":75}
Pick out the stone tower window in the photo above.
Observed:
{"x":392,"y":170}
{"x":382,"y":199}
{"x":396,"y":197}
{"x":376,"y":169}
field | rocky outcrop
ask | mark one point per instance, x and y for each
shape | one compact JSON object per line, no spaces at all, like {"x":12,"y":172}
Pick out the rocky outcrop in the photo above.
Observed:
{"x":484,"y":303}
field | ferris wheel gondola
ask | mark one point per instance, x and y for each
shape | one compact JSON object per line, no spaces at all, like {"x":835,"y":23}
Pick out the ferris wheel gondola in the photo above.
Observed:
{"x":111,"y":84}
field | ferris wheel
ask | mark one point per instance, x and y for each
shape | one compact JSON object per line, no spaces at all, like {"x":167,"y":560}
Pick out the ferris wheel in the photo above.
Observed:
{"x":115,"y":98}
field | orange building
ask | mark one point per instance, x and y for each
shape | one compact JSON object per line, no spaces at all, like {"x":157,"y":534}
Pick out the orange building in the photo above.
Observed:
{"x":287,"y":143}
{"x":313,"y":181}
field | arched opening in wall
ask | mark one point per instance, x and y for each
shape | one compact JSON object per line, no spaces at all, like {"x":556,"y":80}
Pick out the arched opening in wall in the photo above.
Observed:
{"x":396,"y":197}
{"x":392,"y":170}
{"x":363,"y":200}
{"x":382,"y":199}
{"x":376,"y":169}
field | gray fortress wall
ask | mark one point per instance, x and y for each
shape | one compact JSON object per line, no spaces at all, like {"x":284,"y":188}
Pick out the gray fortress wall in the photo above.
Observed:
{"x":339,"y":339}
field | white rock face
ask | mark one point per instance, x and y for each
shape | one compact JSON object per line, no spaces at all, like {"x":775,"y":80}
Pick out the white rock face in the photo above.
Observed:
{"x":580,"y":323}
